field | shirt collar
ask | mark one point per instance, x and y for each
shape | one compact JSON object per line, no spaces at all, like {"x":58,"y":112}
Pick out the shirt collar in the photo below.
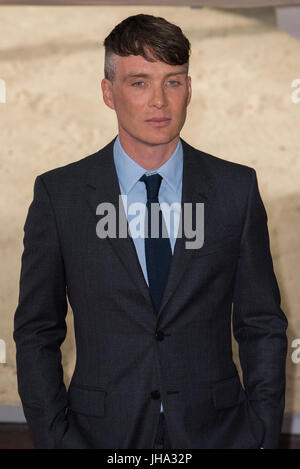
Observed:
{"x":129,"y":172}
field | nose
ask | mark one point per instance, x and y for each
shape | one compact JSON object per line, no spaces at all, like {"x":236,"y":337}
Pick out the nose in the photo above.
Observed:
{"x":158,"y":97}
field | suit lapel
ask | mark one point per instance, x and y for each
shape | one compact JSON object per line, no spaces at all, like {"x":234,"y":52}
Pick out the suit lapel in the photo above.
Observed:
{"x":197,"y":187}
{"x":103,"y":186}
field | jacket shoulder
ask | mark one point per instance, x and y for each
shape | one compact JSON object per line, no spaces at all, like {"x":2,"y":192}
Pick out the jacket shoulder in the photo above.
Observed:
{"x":76,"y":170}
{"x":229,"y":177}
{"x":218,"y":165}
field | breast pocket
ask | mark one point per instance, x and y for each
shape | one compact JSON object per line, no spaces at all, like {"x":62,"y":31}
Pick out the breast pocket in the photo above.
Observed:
{"x":227,"y":244}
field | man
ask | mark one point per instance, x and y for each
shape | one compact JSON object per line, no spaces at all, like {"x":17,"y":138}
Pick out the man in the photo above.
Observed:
{"x":152,"y":315}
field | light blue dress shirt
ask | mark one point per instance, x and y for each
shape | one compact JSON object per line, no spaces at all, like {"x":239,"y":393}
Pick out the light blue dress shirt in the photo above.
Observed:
{"x":129,"y":173}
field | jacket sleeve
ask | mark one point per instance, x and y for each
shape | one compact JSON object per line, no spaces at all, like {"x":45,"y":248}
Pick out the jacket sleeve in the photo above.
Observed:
{"x":39,"y":322}
{"x":259,"y":324}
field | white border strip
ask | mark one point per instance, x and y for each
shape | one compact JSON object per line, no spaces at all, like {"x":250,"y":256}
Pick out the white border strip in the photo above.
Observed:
{"x":12,"y":414}
{"x":291,"y":423}
{"x":288,"y":20}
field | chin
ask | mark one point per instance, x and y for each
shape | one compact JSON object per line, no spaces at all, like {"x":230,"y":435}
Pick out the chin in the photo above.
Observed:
{"x":159,"y":138}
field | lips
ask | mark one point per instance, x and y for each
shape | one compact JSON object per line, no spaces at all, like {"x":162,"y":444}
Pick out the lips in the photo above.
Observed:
{"x":158,"y":119}
{"x":158,"y":122}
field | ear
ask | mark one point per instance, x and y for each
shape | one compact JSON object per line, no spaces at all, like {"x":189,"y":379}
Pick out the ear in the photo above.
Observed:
{"x":189,"y":90}
{"x":107,"y":93}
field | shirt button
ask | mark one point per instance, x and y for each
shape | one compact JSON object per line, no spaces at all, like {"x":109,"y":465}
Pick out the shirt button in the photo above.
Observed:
{"x":160,"y":335}
{"x":155,"y":394}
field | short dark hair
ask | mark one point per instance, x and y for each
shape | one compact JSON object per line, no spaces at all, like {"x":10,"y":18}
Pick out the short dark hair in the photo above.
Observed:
{"x":141,"y":33}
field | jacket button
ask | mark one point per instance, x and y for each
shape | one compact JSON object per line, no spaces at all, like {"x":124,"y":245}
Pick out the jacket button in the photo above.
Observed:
{"x":160,"y":335}
{"x":155,"y":394}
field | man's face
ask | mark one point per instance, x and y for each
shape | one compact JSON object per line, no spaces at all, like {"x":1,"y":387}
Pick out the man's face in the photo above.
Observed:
{"x":143,"y":91}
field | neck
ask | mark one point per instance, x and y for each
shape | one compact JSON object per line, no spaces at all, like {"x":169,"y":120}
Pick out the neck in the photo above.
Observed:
{"x":149,"y":156}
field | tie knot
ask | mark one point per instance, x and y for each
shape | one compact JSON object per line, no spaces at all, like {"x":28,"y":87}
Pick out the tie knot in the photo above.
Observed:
{"x":152,"y":185}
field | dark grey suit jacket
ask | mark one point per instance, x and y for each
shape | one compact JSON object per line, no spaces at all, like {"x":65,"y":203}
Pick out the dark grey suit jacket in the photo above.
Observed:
{"x":129,"y":358}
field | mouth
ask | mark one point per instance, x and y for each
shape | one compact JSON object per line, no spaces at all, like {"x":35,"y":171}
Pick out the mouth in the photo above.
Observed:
{"x":158,"y":122}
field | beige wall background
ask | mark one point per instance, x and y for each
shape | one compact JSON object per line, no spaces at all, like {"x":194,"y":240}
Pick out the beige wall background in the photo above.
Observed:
{"x":242,"y":68}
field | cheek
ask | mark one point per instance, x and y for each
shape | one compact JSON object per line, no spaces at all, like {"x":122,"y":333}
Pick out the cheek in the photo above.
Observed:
{"x":178,"y":102}
{"x":179,"y":108}
{"x":133,"y":106}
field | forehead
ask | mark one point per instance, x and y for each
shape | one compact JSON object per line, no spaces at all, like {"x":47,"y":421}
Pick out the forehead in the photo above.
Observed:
{"x":136,"y":64}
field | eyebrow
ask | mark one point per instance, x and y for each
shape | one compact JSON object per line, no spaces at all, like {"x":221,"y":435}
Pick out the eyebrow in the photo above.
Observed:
{"x":145,"y":75}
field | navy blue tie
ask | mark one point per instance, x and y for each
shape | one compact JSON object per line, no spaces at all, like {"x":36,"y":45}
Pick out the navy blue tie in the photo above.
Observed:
{"x":158,"y":250}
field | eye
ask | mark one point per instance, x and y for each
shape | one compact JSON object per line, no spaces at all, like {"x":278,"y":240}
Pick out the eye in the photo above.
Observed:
{"x":174,"y":82}
{"x":137,"y":84}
